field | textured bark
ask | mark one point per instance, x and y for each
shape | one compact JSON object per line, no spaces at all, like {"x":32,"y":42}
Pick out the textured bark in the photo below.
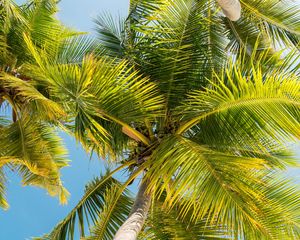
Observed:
{"x":231,"y":9}
{"x":133,"y":225}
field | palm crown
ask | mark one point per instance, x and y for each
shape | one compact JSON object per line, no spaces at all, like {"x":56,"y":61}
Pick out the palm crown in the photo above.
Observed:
{"x":199,"y":105}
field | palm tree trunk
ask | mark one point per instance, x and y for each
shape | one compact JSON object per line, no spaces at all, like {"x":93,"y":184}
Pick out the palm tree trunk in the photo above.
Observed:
{"x":231,"y":8}
{"x":133,"y":225}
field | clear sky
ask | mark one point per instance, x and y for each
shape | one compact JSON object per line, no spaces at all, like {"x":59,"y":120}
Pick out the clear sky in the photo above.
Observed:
{"x":32,"y":212}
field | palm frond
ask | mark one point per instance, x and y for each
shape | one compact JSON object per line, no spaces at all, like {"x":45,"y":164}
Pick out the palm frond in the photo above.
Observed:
{"x":25,"y":94}
{"x":290,"y":64}
{"x":241,"y":193}
{"x":245,"y":34}
{"x":44,"y":28}
{"x":3,"y":202}
{"x":111,"y":34}
{"x":283,"y":14}
{"x":163,"y":224}
{"x":101,"y":204}
{"x":112,"y":216}
{"x":36,"y":152}
{"x":74,"y":49}
{"x":101,"y":90}
{"x":277,"y":21}
{"x":10,"y":12}
{"x":179,"y":38}
{"x":40,"y":23}
{"x":11,"y":18}
{"x":255,"y":108}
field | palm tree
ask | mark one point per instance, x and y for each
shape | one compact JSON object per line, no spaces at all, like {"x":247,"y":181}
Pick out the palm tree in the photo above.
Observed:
{"x":201,"y":107}
{"x":29,"y":143}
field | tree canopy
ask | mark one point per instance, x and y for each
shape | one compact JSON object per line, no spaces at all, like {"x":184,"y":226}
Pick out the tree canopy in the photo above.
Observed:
{"x":200,"y":106}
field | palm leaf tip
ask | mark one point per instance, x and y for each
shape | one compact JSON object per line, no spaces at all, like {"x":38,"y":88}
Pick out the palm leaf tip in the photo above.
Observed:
{"x":3,"y":202}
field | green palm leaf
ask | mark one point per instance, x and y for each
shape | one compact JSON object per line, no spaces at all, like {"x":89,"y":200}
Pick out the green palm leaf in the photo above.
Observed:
{"x":128,"y":97}
{"x":3,"y":202}
{"x":114,"y":213}
{"x":284,"y":15}
{"x":179,"y":38}
{"x":10,"y":12}
{"x":24,"y":94}
{"x":275,"y":23}
{"x":254,"y":108}
{"x":36,"y":152}
{"x":101,"y":205}
{"x":242,"y":191}
{"x":209,"y":130}
{"x":74,"y":49}
{"x":163,"y":224}
{"x":111,"y":34}
{"x":44,"y":28}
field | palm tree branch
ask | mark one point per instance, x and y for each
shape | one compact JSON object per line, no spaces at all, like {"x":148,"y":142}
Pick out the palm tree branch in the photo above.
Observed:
{"x":66,"y":227}
{"x":267,"y":18}
{"x":235,"y":182}
{"x":240,"y":103}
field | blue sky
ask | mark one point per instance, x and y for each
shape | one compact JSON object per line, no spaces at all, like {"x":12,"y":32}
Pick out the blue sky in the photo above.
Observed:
{"x":79,"y":14}
{"x":32,"y":212}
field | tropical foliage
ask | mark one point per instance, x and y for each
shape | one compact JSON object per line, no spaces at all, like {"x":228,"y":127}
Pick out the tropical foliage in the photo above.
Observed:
{"x":29,"y":141}
{"x":202,"y":107}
